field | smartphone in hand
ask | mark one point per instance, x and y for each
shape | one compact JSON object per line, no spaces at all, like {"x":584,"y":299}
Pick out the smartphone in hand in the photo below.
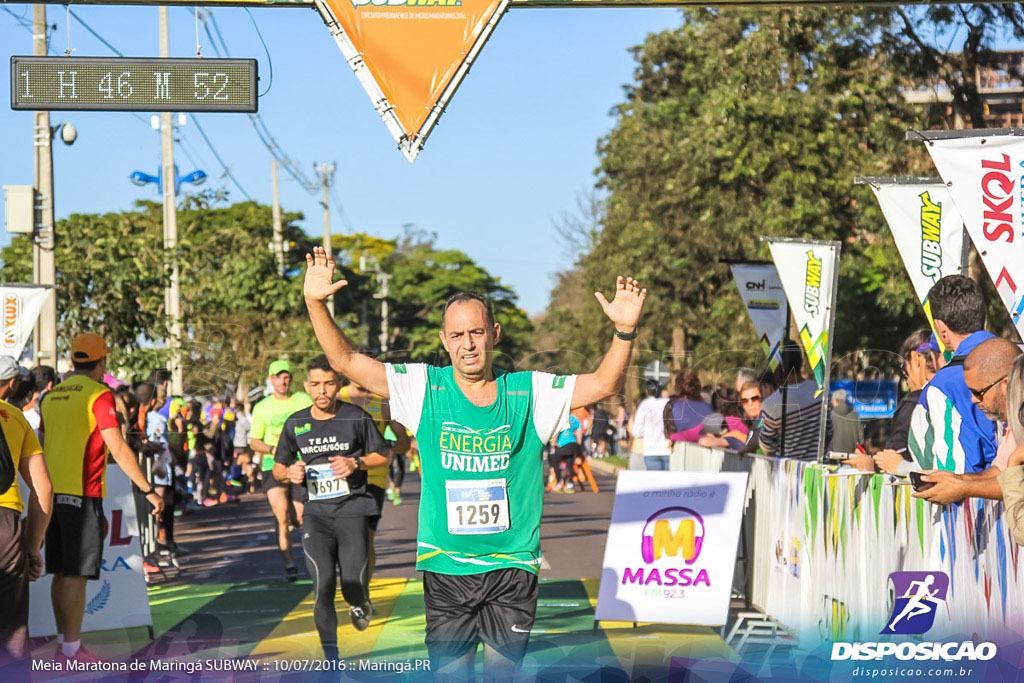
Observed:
{"x":918,"y":482}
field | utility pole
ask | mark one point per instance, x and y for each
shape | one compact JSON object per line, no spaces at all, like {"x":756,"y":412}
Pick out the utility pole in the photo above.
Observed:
{"x":44,"y":242}
{"x":326,"y":172}
{"x":172,"y":295}
{"x":278,"y":239}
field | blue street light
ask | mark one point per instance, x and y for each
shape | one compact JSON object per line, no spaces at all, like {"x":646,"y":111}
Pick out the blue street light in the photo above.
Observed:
{"x":197,"y":177}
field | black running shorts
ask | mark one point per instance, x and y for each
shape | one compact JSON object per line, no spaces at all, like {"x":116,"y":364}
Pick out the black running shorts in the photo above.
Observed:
{"x":568,"y":452}
{"x":74,"y":539}
{"x":13,"y":588}
{"x":496,"y":608}
{"x":271,"y":482}
{"x":378,"y":497}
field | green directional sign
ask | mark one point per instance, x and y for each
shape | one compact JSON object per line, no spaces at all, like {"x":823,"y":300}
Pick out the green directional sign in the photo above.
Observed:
{"x":133,"y":84}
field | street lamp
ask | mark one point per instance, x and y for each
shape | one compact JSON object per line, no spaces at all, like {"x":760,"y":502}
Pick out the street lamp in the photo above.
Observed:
{"x":197,"y":177}
{"x":68,"y":134}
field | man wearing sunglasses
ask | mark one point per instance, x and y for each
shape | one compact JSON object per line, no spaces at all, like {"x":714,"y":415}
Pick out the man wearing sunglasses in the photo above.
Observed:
{"x":986,"y":370}
{"x":948,"y":431}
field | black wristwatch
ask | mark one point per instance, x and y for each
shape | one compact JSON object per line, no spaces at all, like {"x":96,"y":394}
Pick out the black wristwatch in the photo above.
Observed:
{"x":626,"y":336}
{"x":146,"y":493}
{"x":359,"y":462}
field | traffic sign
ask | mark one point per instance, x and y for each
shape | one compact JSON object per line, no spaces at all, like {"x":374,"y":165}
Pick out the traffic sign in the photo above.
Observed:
{"x":133,"y":84}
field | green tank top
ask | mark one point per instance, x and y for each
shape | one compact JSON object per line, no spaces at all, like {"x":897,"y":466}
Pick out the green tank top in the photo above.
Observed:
{"x":482,"y":467}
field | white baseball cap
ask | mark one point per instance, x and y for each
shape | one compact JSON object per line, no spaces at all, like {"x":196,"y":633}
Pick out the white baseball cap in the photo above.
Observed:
{"x":9,"y":368}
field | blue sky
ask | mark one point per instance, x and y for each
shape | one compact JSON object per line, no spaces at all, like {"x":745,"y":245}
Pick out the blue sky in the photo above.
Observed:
{"x":508,"y":159}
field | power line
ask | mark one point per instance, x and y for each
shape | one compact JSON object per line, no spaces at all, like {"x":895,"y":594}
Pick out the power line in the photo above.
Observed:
{"x":95,"y":35}
{"x":28,"y":26}
{"x":270,"y":61}
{"x":185,"y":148}
{"x":341,"y":209}
{"x":227,"y":170}
{"x":25,"y":23}
{"x":110,"y":47}
{"x":258,"y":124}
{"x":263,"y":131}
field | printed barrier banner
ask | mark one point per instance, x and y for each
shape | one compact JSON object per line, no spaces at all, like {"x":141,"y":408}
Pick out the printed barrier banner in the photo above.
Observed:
{"x":761,"y":291}
{"x":118,"y":599}
{"x":838,"y":542}
{"x":785,"y":529}
{"x":808,"y":272}
{"x":984,"y":178}
{"x":928,"y":231}
{"x":22,"y":304}
{"x":671,"y":547}
{"x":410,"y":55}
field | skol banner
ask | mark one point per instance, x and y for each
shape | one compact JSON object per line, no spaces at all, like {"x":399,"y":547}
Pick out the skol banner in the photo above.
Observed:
{"x":21,"y":306}
{"x":410,"y":55}
{"x":671,"y":547}
{"x":807,"y":270}
{"x":761,"y":291}
{"x":927,"y":228}
{"x":118,"y":599}
{"x":984,"y":178}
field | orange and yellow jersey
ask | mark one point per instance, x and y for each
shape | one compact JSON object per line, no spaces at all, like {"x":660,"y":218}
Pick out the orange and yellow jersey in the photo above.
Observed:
{"x":378,"y":476}
{"x":73,"y":414}
{"x":23,"y":443}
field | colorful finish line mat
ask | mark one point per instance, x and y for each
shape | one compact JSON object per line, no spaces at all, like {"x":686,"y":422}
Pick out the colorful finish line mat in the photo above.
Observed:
{"x":265,"y":632}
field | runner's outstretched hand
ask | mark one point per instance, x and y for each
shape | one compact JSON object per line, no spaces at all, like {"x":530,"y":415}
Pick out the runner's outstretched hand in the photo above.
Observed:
{"x":319,"y":283}
{"x":624,"y":309}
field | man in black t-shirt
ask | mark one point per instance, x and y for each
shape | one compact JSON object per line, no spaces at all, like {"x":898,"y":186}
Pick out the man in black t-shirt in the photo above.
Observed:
{"x":326,"y":449}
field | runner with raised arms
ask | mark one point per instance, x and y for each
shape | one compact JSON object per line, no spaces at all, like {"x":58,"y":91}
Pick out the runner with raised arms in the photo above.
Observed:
{"x":481,"y":434}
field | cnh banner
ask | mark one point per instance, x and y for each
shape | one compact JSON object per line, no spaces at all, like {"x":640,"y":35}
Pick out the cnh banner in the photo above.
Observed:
{"x":808,"y":270}
{"x":21,"y":306}
{"x":984,"y":174}
{"x":410,"y":55}
{"x":761,"y":291}
{"x":118,"y":599}
{"x":671,"y":547}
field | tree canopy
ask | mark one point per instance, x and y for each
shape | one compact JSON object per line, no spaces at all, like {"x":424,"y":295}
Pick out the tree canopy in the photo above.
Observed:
{"x":238,"y":312}
{"x":422,"y":277}
{"x":741,"y":124}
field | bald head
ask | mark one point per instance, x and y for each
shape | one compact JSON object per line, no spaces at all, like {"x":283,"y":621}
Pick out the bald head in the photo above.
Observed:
{"x":991,"y":359}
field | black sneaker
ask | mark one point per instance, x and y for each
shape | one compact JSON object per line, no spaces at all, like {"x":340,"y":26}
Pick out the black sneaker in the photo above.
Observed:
{"x":291,"y":574}
{"x":360,"y":616}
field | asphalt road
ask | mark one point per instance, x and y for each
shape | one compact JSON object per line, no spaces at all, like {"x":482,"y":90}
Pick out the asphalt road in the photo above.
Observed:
{"x":236,"y":542}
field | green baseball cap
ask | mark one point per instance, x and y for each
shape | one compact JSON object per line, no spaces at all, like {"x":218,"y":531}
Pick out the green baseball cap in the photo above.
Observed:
{"x":279,"y":366}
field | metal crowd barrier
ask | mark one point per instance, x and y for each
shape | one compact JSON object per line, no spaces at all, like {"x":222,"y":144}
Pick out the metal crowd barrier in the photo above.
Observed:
{"x":819,"y":549}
